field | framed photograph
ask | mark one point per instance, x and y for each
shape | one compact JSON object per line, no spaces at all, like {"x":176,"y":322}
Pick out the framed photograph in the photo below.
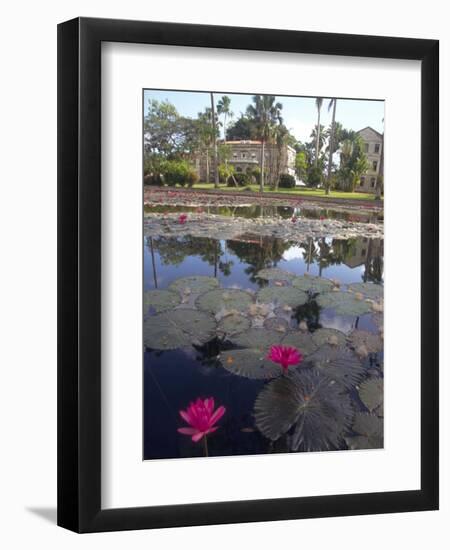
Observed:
{"x":248,"y":275}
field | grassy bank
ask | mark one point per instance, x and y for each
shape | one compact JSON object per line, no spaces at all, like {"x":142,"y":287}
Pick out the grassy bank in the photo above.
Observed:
{"x":297,"y":192}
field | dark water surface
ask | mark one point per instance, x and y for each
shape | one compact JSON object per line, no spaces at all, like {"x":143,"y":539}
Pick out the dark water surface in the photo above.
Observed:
{"x":172,"y":379}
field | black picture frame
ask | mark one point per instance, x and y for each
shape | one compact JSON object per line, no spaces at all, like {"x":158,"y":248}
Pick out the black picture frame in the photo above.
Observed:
{"x":79,"y":274}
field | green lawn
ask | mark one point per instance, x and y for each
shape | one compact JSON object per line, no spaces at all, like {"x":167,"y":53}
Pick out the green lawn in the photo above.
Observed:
{"x":319,"y":193}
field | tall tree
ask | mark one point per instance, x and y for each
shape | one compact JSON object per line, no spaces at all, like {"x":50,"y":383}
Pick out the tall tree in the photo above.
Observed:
{"x":223,"y":108}
{"x":319,"y":101}
{"x":241,"y":128}
{"x":214,"y":130}
{"x":205,"y":136}
{"x":332,"y":104}
{"x":281,"y":135}
{"x":380,"y":176}
{"x":265,"y":112}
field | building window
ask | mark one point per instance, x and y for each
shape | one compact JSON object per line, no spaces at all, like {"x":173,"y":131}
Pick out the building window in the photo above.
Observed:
{"x":235,"y":155}
{"x":374,"y":165}
{"x":372,"y":182}
{"x":366,"y":147}
{"x":244,"y":154}
{"x":238,"y":169}
{"x":363,"y":252}
{"x":377,"y":147}
{"x":363,"y":181}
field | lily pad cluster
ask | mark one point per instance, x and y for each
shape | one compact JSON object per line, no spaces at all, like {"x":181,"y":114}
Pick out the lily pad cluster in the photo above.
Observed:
{"x":344,"y":303}
{"x":327,"y":399}
{"x":368,"y":432}
{"x":227,"y":227}
{"x":178,"y":328}
{"x":307,"y":407}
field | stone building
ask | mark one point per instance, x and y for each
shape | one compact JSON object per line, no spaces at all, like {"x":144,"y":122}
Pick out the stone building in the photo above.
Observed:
{"x":363,"y":251}
{"x":373,"y":147}
{"x":245,"y":155}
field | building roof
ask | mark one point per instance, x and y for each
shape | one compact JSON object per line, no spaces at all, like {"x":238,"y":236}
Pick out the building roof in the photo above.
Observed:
{"x":371,"y":129}
{"x":243,"y":142}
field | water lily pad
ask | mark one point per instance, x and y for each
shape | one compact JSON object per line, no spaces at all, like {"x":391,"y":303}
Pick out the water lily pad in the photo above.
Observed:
{"x":160,"y":300}
{"x":304,"y":403}
{"x":224,"y":298}
{"x":194,"y":284}
{"x":370,"y":290}
{"x":284,"y":295}
{"x":371,"y":393}
{"x":233,"y":323}
{"x":303,"y":341}
{"x":370,"y":341}
{"x":250,"y":363}
{"x":329,"y":336}
{"x":276,"y":323}
{"x":343,"y":303}
{"x":178,"y":328}
{"x":313,"y":284}
{"x":257,"y":338}
{"x":275,"y":274}
{"x":378,"y":319}
{"x":369,"y":430}
{"x":338,"y":364}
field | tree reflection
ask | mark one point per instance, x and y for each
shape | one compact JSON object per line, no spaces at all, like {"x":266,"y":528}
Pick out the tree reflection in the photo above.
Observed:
{"x":262,"y":252}
{"x":174,"y":250}
{"x":258,"y":253}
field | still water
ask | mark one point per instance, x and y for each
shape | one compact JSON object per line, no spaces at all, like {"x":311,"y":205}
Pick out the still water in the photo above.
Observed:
{"x":174,"y":378}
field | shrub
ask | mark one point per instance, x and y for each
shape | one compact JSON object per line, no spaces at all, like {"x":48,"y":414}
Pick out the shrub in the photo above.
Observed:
{"x":314,"y":177}
{"x":286,"y":181}
{"x":153,"y":179}
{"x":225,"y":172}
{"x":179,"y":172}
{"x":255,"y":174}
{"x":241,"y":178}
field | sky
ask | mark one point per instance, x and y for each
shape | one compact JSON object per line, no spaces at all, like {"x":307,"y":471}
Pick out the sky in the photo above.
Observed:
{"x":299,"y":113}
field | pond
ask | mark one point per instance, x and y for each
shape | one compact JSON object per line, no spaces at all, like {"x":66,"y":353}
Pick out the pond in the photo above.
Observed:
{"x":213,"y":309}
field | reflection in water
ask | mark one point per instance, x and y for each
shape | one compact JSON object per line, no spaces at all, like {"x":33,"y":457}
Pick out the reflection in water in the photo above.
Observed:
{"x":258,"y":211}
{"x":173,"y":378}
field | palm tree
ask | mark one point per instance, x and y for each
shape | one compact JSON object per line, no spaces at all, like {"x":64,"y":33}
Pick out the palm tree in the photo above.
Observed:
{"x":205,"y":136}
{"x":281,"y":136}
{"x":380,"y":173}
{"x":223,"y":108}
{"x":319,"y":101}
{"x":214,"y":132}
{"x":265,"y":113}
{"x":332,"y":103}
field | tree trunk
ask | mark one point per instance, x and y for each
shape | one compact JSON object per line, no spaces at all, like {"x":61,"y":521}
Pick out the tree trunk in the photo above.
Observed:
{"x":152,"y":252}
{"x":261,"y":181}
{"x":318,"y":137}
{"x":207,"y":166}
{"x":380,"y":173}
{"x":330,"y":157}
{"x":213,"y":121}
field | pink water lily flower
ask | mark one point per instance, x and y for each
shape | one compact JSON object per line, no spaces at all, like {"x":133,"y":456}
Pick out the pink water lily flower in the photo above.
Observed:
{"x":182,"y":218}
{"x":285,"y":356}
{"x":201,"y":417}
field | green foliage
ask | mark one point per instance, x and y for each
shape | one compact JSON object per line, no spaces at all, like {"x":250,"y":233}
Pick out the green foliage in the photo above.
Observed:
{"x":166,"y":132}
{"x":301,"y":165}
{"x":225,"y":172}
{"x":242,"y":179}
{"x":153,"y":179}
{"x":179,"y":172}
{"x":353,"y":163}
{"x":286,"y":181}
{"x":314,"y":176}
{"x":242,"y":128}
